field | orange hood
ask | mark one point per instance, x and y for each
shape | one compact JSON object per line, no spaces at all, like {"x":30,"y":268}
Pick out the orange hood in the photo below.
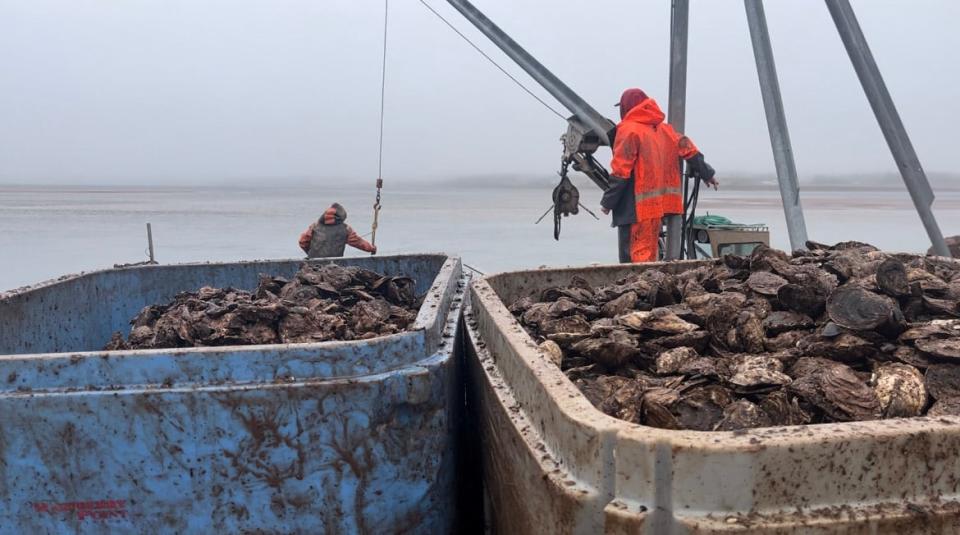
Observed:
{"x":647,"y":112}
{"x":334,"y":215}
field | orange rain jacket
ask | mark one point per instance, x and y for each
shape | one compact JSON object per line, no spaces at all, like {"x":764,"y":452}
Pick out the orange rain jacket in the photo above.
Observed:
{"x":646,"y":152}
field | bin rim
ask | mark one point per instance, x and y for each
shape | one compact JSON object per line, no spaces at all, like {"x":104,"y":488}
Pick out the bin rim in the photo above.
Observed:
{"x":433,"y":295}
{"x":63,"y":279}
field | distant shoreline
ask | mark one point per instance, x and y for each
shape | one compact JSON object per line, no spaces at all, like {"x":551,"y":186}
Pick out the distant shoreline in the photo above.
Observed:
{"x":879,"y":181}
{"x":413,"y":185}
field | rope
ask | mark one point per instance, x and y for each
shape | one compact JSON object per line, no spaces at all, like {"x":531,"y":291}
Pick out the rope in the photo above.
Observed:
{"x":495,"y":64}
{"x":711,"y":220}
{"x":383,"y":84}
{"x":383,"y":95}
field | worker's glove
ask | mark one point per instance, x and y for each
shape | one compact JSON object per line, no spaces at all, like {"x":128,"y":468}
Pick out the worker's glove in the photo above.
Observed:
{"x":699,"y":168}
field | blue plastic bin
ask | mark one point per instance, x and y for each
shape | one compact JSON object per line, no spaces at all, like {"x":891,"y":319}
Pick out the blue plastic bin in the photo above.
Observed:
{"x":333,"y":437}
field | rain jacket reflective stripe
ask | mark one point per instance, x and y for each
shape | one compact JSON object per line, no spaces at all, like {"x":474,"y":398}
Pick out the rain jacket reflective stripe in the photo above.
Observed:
{"x":647,"y":152}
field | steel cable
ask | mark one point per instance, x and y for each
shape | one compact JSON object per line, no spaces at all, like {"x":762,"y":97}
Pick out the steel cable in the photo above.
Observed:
{"x":491,"y":60}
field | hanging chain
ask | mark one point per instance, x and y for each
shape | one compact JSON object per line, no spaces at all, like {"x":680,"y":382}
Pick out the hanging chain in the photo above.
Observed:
{"x":376,"y":213}
{"x":383,"y":93}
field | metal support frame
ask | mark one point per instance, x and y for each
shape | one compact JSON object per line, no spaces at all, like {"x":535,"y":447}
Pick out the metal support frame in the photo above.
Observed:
{"x":676,"y":107}
{"x":890,"y":123}
{"x":586,"y":117}
{"x":776,"y":124}
{"x":536,"y":70}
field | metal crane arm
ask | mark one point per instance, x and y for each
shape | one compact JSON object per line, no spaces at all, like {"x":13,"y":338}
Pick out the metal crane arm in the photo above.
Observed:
{"x":587,"y":128}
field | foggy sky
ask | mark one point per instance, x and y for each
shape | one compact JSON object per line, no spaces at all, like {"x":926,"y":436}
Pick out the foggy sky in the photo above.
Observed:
{"x":186,"y":91}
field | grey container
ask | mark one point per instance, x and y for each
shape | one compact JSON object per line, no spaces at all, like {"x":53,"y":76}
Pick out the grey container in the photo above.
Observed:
{"x":333,"y":437}
{"x":553,"y":463}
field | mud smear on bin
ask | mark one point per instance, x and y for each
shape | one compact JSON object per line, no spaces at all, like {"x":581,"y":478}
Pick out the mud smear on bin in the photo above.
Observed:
{"x":833,"y":334}
{"x":320,"y":303}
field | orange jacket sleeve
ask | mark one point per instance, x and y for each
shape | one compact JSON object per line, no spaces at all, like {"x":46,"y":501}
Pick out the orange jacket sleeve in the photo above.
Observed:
{"x":685,"y":145}
{"x":354,"y":240}
{"x":306,"y":237}
{"x":626,"y":148}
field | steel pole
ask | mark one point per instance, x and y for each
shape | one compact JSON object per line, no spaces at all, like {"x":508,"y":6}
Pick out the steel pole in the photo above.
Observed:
{"x":579,"y":107}
{"x":677,"y":105}
{"x":153,"y":259}
{"x":890,"y":123}
{"x":776,"y":124}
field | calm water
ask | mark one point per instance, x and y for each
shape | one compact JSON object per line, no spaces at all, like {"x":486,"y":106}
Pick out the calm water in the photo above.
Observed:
{"x":47,"y":232}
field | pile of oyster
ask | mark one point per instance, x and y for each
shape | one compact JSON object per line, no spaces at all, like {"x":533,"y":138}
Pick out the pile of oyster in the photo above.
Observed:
{"x":320,"y":303}
{"x":832,"y":334}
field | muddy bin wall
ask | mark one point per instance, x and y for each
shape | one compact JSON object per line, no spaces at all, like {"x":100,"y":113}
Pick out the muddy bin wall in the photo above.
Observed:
{"x":334,"y":437}
{"x":553,"y":463}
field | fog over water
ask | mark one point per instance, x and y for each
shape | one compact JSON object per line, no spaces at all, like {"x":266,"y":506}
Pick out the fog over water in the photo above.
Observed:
{"x":186,"y":92}
{"x":49,"y":232}
{"x":229,"y":124}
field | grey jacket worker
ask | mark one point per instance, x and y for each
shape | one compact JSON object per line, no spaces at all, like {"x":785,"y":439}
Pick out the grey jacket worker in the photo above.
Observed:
{"x":329,"y":235}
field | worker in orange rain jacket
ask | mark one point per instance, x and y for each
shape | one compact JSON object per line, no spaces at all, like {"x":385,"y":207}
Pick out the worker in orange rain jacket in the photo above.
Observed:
{"x":645,"y":175}
{"x":329,"y":235}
